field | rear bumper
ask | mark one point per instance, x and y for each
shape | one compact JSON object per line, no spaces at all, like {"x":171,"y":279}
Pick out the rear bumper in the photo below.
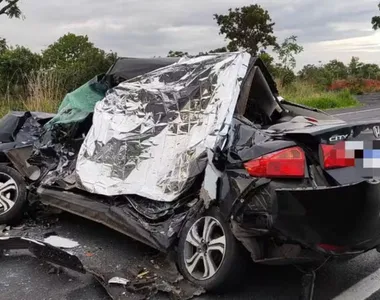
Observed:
{"x":326,"y":221}
{"x":337,"y":220}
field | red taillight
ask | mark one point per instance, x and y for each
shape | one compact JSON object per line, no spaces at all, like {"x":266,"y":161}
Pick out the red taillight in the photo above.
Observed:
{"x":336,"y":156}
{"x":311,"y":120}
{"x":284,"y":163}
{"x":331,"y":248}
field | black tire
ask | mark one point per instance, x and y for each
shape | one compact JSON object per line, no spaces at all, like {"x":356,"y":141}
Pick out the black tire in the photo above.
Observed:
{"x":16,"y":212}
{"x":233,"y":266}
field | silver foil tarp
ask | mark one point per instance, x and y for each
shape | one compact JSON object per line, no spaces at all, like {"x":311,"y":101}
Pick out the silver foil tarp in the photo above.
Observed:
{"x":150,"y":134}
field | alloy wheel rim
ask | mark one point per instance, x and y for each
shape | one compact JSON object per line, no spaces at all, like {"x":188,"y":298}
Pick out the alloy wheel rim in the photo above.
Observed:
{"x":8,"y":193}
{"x":205,"y":248}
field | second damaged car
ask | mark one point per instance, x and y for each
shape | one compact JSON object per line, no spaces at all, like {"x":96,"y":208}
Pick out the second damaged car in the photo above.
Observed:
{"x":201,"y":157}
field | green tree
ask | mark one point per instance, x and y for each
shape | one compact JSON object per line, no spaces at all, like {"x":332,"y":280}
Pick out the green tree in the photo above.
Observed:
{"x":16,"y":64}
{"x":284,"y":74}
{"x":10,"y":8}
{"x":3,"y":45}
{"x":77,"y":59}
{"x":308,"y":72}
{"x":248,"y":27}
{"x":376,"y":20}
{"x":286,"y":54}
{"x":337,"y":69}
{"x":354,"y":66}
{"x":219,"y":50}
{"x":370,"y":71}
{"x":177,"y":54}
{"x":317,"y":75}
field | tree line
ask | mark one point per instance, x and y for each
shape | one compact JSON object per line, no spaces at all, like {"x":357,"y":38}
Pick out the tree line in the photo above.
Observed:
{"x":252,"y":29}
{"x":75,"y":59}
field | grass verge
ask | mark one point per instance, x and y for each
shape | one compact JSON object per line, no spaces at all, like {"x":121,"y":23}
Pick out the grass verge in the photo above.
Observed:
{"x":307,"y":94}
{"x":44,"y":92}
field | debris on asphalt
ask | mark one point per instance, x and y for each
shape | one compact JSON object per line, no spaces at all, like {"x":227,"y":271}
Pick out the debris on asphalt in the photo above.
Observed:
{"x":4,"y":230}
{"x":55,"y":270}
{"x":142,"y":274}
{"x":61,"y":242}
{"x":20,"y":227}
{"x":118,"y":280}
{"x":89,"y":254}
{"x":146,"y":288}
{"x":147,"y":282}
{"x":133,"y":282}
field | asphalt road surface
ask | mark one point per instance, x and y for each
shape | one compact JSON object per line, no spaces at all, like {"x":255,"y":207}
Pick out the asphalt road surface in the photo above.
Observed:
{"x":24,"y":277}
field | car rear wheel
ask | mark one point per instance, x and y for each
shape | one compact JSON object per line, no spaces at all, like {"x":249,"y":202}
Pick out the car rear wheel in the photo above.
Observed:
{"x":208,"y":253}
{"x":12,"y":195}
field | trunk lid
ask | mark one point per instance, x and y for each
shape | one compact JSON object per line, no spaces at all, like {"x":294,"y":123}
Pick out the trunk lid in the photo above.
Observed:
{"x":365,"y":150}
{"x":328,"y":131}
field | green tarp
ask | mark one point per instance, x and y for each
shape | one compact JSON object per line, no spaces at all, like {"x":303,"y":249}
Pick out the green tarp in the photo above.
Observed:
{"x":77,"y":105}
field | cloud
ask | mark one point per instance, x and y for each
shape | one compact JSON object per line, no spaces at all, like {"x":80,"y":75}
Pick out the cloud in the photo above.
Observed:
{"x":326,"y":29}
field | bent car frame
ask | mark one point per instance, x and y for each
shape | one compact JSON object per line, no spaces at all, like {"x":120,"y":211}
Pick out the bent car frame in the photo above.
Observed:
{"x":203,"y":157}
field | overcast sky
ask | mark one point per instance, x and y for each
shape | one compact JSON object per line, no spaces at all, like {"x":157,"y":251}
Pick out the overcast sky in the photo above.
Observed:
{"x":327,"y":29}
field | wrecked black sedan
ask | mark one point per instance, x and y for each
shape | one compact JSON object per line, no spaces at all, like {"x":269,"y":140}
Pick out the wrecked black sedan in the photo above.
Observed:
{"x":202,"y":157}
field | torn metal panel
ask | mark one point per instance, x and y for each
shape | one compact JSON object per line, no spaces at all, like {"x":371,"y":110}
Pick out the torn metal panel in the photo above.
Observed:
{"x":56,"y":152}
{"x":18,"y":129}
{"x":156,"y":225}
{"x":43,"y":251}
{"x":18,"y":157}
{"x":150,"y":134}
{"x":256,"y":210}
{"x":247,"y":141}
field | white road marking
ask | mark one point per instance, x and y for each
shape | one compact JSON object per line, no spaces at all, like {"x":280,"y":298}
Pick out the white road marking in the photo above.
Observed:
{"x":358,"y":111}
{"x":363,"y":289}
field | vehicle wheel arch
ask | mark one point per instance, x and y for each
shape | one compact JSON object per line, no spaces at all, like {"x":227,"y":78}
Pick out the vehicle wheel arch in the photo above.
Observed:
{"x":235,"y":253}
{"x":14,"y":213}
